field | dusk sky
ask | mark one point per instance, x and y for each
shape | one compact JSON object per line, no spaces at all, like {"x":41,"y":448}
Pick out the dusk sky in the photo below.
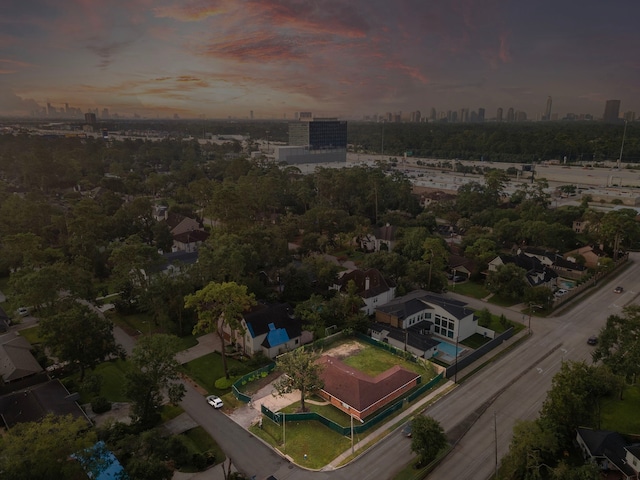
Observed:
{"x":346,"y":58}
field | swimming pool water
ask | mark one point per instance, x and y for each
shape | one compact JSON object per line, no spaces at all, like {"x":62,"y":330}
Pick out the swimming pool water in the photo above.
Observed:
{"x":449,"y":349}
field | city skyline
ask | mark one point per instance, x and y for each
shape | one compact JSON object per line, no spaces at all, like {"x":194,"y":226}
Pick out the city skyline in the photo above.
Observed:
{"x":270,"y":59}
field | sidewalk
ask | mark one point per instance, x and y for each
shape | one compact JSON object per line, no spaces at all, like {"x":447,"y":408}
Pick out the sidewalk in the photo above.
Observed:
{"x":383,"y":429}
{"x":419,"y":405}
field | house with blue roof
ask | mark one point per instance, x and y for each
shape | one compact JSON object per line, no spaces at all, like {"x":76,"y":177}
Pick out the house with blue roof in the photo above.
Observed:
{"x":271,"y":330}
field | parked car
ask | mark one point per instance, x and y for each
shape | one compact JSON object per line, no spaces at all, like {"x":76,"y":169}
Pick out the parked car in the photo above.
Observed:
{"x":458,"y":278}
{"x":618,"y":290}
{"x":592,"y":340}
{"x":215,"y":401}
{"x":560,"y":292}
{"x":406,"y":431}
{"x":23,"y":311}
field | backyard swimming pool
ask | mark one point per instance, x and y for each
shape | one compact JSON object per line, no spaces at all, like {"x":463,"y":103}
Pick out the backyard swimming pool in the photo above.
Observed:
{"x":450,"y":350}
{"x":566,"y":284}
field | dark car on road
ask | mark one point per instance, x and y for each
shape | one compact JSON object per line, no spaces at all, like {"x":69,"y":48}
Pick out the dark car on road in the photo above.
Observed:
{"x":618,"y":290}
{"x":592,"y":340}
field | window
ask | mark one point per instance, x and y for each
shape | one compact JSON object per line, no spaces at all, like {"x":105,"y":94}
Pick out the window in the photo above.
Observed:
{"x":449,"y":334}
{"x":436,"y":329}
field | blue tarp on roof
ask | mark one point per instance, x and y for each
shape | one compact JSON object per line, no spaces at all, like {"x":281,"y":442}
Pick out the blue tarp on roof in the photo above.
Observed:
{"x":277,"y":336}
{"x":108,"y":463}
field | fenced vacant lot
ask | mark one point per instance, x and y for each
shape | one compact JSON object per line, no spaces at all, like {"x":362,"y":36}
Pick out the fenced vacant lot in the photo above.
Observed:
{"x":373,"y":361}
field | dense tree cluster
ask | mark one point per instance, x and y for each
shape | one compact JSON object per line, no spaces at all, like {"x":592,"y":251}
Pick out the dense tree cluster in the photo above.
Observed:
{"x":499,"y":142}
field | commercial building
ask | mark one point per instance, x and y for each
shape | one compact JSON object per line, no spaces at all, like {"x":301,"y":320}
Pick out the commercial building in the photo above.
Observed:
{"x":319,"y":140}
{"x":611,"y":111}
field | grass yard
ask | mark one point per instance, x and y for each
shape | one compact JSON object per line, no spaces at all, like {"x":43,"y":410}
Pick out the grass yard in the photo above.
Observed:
{"x":470,"y":289}
{"x":197,"y":440}
{"x":502,"y":301}
{"x":319,"y":443}
{"x":169,"y":412}
{"x":622,"y":415}
{"x":327,"y":411}
{"x":141,"y":323}
{"x":32,"y":334}
{"x":373,"y":361}
{"x":112,"y":374}
{"x":207,"y":369}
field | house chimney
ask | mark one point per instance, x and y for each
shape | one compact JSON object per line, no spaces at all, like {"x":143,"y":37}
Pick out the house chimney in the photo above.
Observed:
{"x":366,"y":283}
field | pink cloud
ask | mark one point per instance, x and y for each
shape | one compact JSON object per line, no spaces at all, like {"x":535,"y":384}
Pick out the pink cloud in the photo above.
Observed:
{"x":192,"y":11}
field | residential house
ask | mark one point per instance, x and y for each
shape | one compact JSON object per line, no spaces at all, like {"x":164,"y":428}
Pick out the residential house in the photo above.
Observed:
{"x":16,"y":360}
{"x":449,"y":319}
{"x":610,"y":451}
{"x":178,"y":224}
{"x":271,"y":330}
{"x":188,"y":233}
{"x":358,"y":394}
{"x":189,"y":241}
{"x":371,"y":286}
{"x":415,"y":339}
{"x":33,"y":403}
{"x":591,"y":254}
{"x":385,"y":237}
{"x":557,"y":262}
{"x":537,"y":273}
{"x":5,"y":321}
{"x":461,"y":266}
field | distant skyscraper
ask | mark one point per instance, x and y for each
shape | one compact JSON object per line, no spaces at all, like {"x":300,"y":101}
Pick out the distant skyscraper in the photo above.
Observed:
{"x":499,"y":115}
{"x":510,"y":115}
{"x":434,"y":115}
{"x":90,"y":118}
{"x":251,"y":114}
{"x":611,"y":111}
{"x":629,"y":116}
{"x":481,"y":114}
{"x":547,"y":111}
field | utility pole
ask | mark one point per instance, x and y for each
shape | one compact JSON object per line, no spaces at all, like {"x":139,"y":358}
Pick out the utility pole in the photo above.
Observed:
{"x":352,"y":451}
{"x":495,"y":441}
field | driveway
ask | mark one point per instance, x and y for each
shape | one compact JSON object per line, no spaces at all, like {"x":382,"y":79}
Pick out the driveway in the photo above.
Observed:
{"x":206,"y":344}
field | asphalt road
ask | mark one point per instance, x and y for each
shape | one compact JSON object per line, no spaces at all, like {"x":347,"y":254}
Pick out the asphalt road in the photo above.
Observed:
{"x":510,"y":389}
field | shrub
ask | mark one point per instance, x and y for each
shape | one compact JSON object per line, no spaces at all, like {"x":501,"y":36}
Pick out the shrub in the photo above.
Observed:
{"x":224,"y":383}
{"x":199,"y":461}
{"x":100,"y":405}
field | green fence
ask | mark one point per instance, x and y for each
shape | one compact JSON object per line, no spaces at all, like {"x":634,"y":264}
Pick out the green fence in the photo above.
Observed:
{"x":250,"y":377}
{"x":360,"y":428}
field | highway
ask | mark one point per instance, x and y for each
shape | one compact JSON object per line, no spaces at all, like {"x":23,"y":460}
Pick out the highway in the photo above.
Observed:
{"x":510,"y":389}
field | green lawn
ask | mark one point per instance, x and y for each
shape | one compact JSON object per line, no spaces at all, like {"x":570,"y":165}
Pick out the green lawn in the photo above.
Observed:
{"x":470,"y":289}
{"x":112,"y":374}
{"x":373,"y":361}
{"x":141,"y":323}
{"x":207,"y":369}
{"x":319,"y":443}
{"x":327,"y":411}
{"x":622,"y":415}
{"x":32,"y":334}
{"x":169,"y":412}
{"x":502,"y":301}
{"x":197,"y":440}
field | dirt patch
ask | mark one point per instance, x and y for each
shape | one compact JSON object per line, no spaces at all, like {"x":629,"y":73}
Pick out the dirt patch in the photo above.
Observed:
{"x":344,"y":350}
{"x":252,"y":387}
{"x":120,"y":412}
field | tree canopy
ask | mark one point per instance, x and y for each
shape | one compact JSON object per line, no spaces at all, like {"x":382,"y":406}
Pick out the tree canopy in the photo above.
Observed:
{"x":301,"y":372}
{"x":155,"y":373}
